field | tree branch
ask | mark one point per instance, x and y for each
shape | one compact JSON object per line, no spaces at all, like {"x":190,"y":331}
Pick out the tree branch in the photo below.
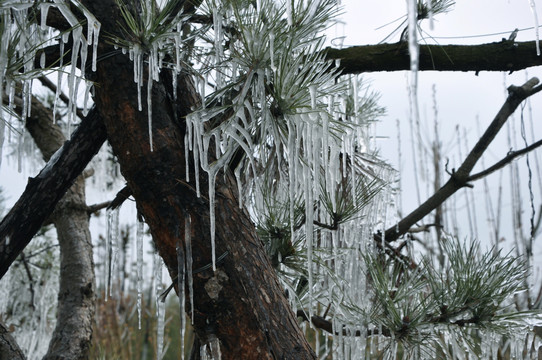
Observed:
{"x":460,"y":178}
{"x":91,"y":209}
{"x":45,"y":190}
{"x":119,"y":199}
{"x":497,"y":56}
{"x":505,"y":161}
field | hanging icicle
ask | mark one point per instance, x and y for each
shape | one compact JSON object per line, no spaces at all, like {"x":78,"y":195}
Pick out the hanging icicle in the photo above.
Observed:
{"x":139,"y":261}
{"x":160,"y":306}
{"x":536,"y":27}
{"x":188,"y":255}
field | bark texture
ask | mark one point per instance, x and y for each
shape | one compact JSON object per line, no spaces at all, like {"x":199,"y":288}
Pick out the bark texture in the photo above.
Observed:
{"x":242,"y":302}
{"x":75,"y":309}
{"x":497,"y":56}
{"x":9,"y":349}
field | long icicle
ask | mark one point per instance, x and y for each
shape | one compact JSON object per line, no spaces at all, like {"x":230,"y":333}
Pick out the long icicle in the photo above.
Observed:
{"x":181,"y":262}
{"x":188,"y":246}
{"x":139,"y":246}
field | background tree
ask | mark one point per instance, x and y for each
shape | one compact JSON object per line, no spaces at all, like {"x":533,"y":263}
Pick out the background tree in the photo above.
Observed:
{"x":284,"y":135}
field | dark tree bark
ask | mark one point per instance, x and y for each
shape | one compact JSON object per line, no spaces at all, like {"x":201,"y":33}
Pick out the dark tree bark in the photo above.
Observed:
{"x":497,"y":56}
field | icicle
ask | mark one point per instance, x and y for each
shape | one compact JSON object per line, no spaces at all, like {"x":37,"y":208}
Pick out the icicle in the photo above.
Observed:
{"x":312,"y":91}
{"x":88,"y":88}
{"x":42,"y":60}
{"x":272,"y":50}
{"x":160,"y":306}
{"x":77,"y":35}
{"x":414,"y":58}
{"x":187,"y":162}
{"x":289,"y":15}
{"x":188,"y":245}
{"x":137,"y":56}
{"x":291,"y":174}
{"x":149,"y":99}
{"x":111,"y":248}
{"x":139,"y":260}
{"x":96,"y":33}
{"x":44,"y":8}
{"x":181,"y":263}
{"x":212,"y":178}
{"x":239,"y":185}
{"x":356,"y":100}
{"x":309,"y":209}
{"x":535,"y":16}
{"x":59,"y":80}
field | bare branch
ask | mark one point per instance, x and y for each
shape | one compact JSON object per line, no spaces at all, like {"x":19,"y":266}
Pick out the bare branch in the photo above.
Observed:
{"x":505,"y":161}
{"x":121,"y":196}
{"x":498,"y":56}
{"x":91,"y":209}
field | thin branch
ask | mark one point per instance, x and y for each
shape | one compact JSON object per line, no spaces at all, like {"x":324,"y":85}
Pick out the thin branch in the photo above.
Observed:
{"x":91,"y":209}
{"x":119,"y":199}
{"x":30,"y":279}
{"x":505,"y":161}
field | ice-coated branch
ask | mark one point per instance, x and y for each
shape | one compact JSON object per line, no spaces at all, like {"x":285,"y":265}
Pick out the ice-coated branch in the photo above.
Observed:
{"x":45,"y":190}
{"x":461,"y":176}
{"x":497,"y":56}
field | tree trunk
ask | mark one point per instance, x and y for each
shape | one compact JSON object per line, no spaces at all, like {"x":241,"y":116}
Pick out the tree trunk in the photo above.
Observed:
{"x":241,"y":303}
{"x":75,"y":309}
